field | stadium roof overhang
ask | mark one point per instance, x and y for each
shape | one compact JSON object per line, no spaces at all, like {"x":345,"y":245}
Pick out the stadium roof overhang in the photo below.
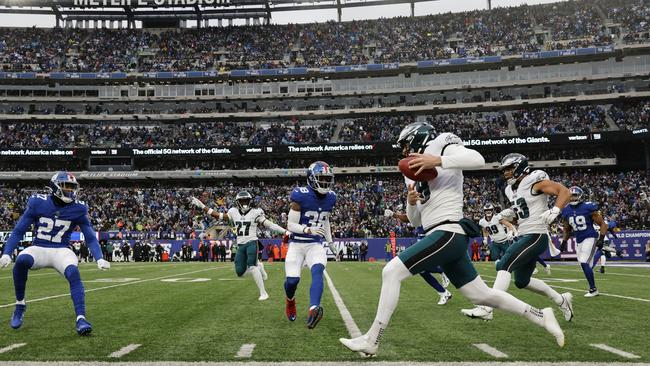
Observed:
{"x":177,"y":9}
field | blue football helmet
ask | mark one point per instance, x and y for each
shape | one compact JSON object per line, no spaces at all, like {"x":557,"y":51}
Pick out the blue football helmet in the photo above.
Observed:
{"x":576,"y":195}
{"x":64,"y":186}
{"x":320,"y":177}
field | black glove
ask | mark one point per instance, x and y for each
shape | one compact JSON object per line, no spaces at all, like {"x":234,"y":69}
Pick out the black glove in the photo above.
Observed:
{"x":563,"y":245}
{"x":600,"y":242}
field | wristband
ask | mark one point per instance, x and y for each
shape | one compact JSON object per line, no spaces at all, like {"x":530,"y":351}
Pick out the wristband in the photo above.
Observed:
{"x":210,"y":211}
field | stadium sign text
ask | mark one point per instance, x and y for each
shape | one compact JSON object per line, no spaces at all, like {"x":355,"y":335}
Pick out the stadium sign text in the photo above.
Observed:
{"x":355,"y":147}
{"x":508,"y":141}
{"x":108,"y":3}
{"x":192,"y":151}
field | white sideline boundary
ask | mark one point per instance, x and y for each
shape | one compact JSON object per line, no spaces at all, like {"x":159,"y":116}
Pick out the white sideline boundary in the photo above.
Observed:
{"x":118,"y":285}
{"x":12,"y":347}
{"x":350,"y":324}
{"x":316,"y":363}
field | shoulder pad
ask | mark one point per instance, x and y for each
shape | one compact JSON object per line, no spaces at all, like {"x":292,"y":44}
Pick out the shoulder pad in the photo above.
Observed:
{"x":538,"y":175}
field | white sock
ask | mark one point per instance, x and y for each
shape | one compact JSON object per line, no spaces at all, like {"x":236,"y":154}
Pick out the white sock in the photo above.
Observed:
{"x":80,"y":317}
{"x":479,"y":293}
{"x":20,"y":302}
{"x":502,"y":282}
{"x":603,"y":260}
{"x":391,"y":279}
{"x":261,"y":267}
{"x":540,"y":287}
{"x":257,"y":276}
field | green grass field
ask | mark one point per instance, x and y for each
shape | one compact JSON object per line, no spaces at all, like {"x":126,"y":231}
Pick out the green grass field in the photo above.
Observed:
{"x":209,"y":320}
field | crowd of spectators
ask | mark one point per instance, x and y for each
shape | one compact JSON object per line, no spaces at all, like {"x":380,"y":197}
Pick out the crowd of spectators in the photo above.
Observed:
{"x":632,"y":115}
{"x":163,"y":207}
{"x":565,"y":118}
{"x":500,"y":31}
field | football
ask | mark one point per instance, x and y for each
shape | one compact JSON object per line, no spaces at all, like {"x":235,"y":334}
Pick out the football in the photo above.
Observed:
{"x":424,"y":176}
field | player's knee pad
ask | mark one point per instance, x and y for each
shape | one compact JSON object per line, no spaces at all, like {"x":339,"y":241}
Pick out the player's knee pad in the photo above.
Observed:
{"x":317,"y":269}
{"x":24,"y":261}
{"x":72,"y":274}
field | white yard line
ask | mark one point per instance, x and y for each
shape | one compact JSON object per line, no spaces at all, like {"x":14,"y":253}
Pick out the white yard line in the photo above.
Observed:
{"x":608,"y":273}
{"x":314,"y":363}
{"x":352,"y":327}
{"x":118,"y":285}
{"x":124,"y":350}
{"x":12,"y":347}
{"x":583,"y":291}
{"x":490,"y":350}
{"x":246,"y":350}
{"x":617,"y":351}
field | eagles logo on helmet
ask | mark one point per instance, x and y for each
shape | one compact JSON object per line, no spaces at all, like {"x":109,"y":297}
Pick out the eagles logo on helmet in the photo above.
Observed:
{"x":244,"y":201}
{"x":414,"y":138}
{"x":513,"y":166}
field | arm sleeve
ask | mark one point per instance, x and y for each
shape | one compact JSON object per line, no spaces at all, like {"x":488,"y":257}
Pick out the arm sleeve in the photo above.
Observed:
{"x":26,"y":220}
{"x":293,"y":222}
{"x":272,"y":226}
{"x":328,"y":231}
{"x":460,"y":157}
{"x":91,"y":238}
{"x":413,"y":214}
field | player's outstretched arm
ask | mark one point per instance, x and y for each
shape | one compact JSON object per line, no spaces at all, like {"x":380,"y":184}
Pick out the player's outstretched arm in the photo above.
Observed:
{"x":91,"y":241}
{"x":598,"y":220}
{"x":293,"y":222}
{"x":24,"y":223}
{"x":396,"y":215}
{"x":552,"y":188}
{"x":566,"y":233}
{"x":201,"y":206}
{"x":273,"y":226}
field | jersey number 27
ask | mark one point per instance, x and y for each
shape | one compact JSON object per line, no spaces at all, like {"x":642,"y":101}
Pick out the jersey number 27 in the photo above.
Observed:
{"x":46,"y":228}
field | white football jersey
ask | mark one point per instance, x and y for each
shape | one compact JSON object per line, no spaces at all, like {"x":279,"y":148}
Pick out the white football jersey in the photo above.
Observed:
{"x":497,"y":231}
{"x":246,"y":225}
{"x":442,"y":198}
{"x":528,"y":205}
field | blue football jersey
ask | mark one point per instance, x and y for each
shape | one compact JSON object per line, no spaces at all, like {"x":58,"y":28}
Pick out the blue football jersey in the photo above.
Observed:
{"x":579,"y":218}
{"x":419,"y":232}
{"x":315,"y":209}
{"x":54,"y":224}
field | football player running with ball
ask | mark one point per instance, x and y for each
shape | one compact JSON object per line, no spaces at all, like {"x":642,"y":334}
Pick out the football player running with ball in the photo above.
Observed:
{"x":528,"y":192}
{"x":437,"y":205}
{"x":54,"y":216}
{"x":245,"y":219}
{"x":308,"y":218}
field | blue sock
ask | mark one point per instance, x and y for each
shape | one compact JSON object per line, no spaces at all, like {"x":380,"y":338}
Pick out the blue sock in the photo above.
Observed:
{"x":586,"y":268}
{"x":290,"y":286}
{"x":76,"y":289}
{"x":316,"y":289}
{"x":432,"y":281}
{"x":21,"y":268}
{"x":541,"y":261}
{"x":597,"y":256}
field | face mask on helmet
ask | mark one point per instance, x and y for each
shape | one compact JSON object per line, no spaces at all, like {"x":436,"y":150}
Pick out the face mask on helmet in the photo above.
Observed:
{"x":489,"y":213}
{"x":244,"y":204}
{"x":576,"y":195}
{"x":513,"y":166}
{"x":320,"y":177}
{"x":414,"y":138}
{"x":64,"y":186}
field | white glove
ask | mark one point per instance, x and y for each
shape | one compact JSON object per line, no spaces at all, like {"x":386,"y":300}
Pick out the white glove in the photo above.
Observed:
{"x":549,"y":216}
{"x":195,"y":202}
{"x":5,"y":260}
{"x":388,"y":213}
{"x":315,"y":231}
{"x":103,"y":264}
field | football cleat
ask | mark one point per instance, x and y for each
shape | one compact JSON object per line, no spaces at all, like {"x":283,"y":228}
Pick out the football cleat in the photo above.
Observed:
{"x":83,"y":327}
{"x":315,"y":315}
{"x":535,"y":271}
{"x":290,"y":309}
{"x":361,"y":344}
{"x":547,"y":269}
{"x":444,"y":297}
{"x":445,"y":280}
{"x":593,"y":292}
{"x":552,"y":326}
{"x":17,"y":318}
{"x":264,"y":296}
{"x":602,"y":269}
{"x":567,"y":306}
{"x":479,"y":312}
